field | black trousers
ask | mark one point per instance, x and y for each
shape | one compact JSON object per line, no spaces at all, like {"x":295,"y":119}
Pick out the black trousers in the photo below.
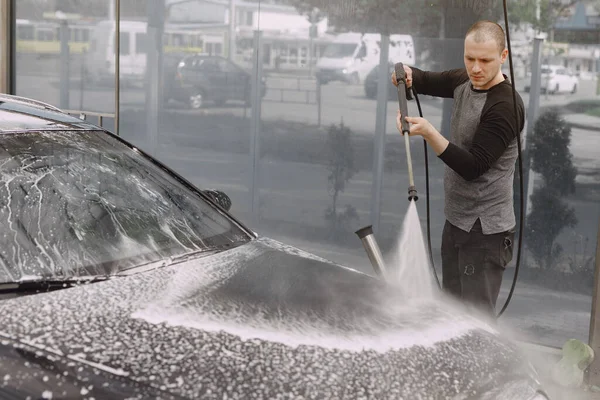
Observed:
{"x":473,"y":264}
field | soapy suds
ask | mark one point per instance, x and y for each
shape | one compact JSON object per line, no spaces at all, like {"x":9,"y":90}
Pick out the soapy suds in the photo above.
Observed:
{"x":409,"y":321}
{"x":408,"y":264}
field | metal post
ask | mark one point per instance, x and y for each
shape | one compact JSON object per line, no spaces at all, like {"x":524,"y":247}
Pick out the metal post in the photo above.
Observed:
{"x":117,"y":63}
{"x":232,"y":48}
{"x":380,"y":126}
{"x":310,"y":53}
{"x":255,"y":123}
{"x":532,"y":115}
{"x":535,"y":86}
{"x":7,"y":54}
{"x":318,"y":102}
{"x":156,"y":11}
{"x":82,"y":79}
{"x":593,"y":373}
{"x":64,"y":65}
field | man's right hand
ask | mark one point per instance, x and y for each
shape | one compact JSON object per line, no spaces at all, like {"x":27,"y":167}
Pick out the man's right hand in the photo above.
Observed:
{"x":408,"y":73}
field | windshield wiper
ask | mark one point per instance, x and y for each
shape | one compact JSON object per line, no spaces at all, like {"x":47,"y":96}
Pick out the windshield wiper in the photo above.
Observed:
{"x":176,"y":259}
{"x":47,"y":285}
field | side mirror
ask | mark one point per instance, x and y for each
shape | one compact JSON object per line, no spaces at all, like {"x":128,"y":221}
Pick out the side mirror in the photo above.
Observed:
{"x":219,"y":198}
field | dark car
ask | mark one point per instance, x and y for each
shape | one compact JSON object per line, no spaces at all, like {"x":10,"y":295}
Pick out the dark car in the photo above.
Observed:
{"x":121,"y":280}
{"x":199,"y":78}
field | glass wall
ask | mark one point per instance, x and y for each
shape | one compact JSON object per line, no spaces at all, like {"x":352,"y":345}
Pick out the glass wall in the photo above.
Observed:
{"x":291,"y":112}
{"x":62,"y":59}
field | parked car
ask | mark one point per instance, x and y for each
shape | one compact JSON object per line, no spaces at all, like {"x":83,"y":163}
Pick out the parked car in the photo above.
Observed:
{"x":556,"y":79}
{"x":371,"y":82}
{"x":201,"y":78}
{"x":120,"y":279}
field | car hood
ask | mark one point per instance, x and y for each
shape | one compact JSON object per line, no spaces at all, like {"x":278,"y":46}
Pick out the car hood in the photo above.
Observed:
{"x":265,"y":318}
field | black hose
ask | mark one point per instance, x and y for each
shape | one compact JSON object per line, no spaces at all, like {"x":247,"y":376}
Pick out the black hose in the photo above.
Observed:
{"x":520,"y":159}
{"x":427,"y":193}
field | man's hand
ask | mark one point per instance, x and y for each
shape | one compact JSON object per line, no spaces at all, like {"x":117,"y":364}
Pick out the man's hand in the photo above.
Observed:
{"x":422,"y":127}
{"x":408,"y":77}
{"x":419,"y":126}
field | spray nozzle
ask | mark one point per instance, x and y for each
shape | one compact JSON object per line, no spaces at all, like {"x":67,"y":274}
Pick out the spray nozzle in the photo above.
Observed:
{"x":373,"y":252}
{"x":412,"y":193}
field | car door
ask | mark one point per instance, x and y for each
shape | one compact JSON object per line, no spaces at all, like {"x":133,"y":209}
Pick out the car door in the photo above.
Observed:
{"x":212,"y":78}
{"x":562,"y":80}
{"x":237,"y":80}
{"x":188,"y":71}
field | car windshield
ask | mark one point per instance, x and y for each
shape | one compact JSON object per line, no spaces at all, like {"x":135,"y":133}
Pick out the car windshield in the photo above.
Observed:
{"x":82,"y":203}
{"x":339,"y":50}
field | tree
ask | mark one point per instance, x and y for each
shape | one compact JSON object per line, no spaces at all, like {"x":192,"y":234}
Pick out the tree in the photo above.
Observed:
{"x":341,"y":167}
{"x":378,"y":16}
{"x":549,"y":216}
{"x":551,"y":158}
{"x":526,"y":11}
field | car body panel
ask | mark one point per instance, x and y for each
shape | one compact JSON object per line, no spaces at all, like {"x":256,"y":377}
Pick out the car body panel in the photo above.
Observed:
{"x":265,"y":319}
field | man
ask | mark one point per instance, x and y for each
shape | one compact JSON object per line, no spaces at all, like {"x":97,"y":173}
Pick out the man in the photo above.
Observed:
{"x":477,"y":241}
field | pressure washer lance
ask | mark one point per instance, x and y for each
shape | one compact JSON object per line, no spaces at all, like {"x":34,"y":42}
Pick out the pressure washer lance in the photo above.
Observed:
{"x":403,"y":93}
{"x":373,"y":252}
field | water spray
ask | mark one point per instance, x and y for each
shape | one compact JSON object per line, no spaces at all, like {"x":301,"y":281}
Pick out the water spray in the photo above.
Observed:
{"x":366,"y":234}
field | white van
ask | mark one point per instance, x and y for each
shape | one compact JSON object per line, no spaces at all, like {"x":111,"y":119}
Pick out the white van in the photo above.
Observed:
{"x":351,"y":56}
{"x":100,"y":61}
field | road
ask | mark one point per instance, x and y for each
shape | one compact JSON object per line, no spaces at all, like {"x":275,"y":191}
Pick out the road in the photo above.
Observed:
{"x":39,"y":78}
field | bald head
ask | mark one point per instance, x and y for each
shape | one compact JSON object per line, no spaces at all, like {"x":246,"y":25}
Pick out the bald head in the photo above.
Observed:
{"x":483,"y":31}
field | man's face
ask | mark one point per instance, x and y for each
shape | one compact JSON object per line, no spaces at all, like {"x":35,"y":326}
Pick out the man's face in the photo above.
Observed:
{"x":483,"y":61}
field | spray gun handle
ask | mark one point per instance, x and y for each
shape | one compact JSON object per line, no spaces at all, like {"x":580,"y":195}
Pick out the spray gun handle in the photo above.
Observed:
{"x":402,"y":92}
{"x":409,"y":93}
{"x":399,"y":69}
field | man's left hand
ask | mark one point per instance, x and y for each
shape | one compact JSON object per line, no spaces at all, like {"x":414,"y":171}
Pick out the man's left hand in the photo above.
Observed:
{"x":418,"y":126}
{"x":422,"y":127}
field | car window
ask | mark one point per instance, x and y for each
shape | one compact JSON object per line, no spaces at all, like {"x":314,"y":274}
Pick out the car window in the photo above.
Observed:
{"x":190,"y":62}
{"x":339,"y":50}
{"x":362,"y":52}
{"x":209,"y":65}
{"x":83,"y":203}
{"x":226,"y":66}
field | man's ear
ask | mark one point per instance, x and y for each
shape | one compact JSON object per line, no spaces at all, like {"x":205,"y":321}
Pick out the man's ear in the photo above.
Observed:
{"x":503,"y":55}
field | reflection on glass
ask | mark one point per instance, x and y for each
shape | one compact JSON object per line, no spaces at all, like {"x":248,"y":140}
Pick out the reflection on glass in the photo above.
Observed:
{"x":309,"y":101}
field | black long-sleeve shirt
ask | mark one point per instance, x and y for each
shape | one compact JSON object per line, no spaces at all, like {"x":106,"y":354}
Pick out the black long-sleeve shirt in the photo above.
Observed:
{"x":482,"y":149}
{"x":497,"y":125}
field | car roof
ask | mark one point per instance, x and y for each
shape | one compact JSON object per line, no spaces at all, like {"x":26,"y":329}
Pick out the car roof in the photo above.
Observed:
{"x":21,"y":114}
